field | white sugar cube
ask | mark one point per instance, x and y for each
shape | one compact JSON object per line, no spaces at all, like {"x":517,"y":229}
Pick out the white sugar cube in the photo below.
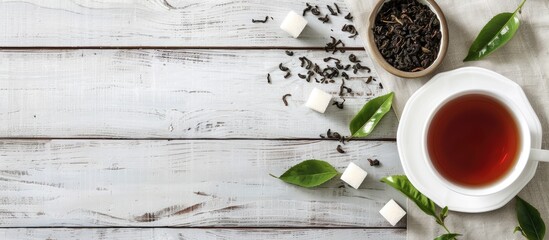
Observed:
{"x":354,"y":175}
{"x":392,"y":212}
{"x":293,"y":24}
{"x":318,"y":100}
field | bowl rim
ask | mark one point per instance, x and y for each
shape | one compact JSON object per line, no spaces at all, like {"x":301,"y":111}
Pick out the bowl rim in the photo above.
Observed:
{"x":374,"y":51}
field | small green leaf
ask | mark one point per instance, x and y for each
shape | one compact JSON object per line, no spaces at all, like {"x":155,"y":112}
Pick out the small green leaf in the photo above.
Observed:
{"x":369,"y":116}
{"x":444,"y":214}
{"x":496,"y":33}
{"x":530,"y":221}
{"x":518,"y":229}
{"x":402,"y":184}
{"x":309,"y":173}
{"x":439,"y":221}
{"x":448,"y":236}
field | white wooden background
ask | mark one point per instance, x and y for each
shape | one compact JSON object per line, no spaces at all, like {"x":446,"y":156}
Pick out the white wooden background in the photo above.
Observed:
{"x":133,"y":119}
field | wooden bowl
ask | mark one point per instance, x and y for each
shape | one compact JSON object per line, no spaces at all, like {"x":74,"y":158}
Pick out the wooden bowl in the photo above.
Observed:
{"x":376,"y":55}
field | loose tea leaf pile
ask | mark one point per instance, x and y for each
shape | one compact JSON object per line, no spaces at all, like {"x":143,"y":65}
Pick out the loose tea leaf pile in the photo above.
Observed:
{"x":335,"y":67}
{"x":407,"y":34}
{"x":334,"y":70}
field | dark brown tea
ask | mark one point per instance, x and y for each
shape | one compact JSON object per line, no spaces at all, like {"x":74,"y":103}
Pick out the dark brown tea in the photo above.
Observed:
{"x":407,"y":34}
{"x":473,"y":140}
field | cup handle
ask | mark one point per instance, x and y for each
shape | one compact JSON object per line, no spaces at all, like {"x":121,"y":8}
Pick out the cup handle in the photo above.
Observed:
{"x":539,"y":155}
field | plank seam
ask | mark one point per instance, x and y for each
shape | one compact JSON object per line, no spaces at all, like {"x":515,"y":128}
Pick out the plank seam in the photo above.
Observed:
{"x":171,"y":48}
{"x":193,"y":139}
{"x":187,"y":227}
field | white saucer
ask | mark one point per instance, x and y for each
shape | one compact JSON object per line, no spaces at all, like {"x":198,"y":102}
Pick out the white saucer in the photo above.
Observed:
{"x":415,"y":114}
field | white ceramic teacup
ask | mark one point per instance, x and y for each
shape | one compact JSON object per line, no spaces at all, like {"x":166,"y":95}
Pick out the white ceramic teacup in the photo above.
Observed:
{"x":525,"y":152}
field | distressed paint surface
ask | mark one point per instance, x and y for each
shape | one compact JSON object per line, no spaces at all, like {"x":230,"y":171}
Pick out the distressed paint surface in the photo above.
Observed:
{"x":163,"y":23}
{"x":207,"y":183}
{"x":172,"y":94}
{"x":200,"y":234}
{"x":181,"y":137}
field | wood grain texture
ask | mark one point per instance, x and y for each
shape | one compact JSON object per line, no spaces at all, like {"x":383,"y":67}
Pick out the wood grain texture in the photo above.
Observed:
{"x":163,"y":23}
{"x":171,"y":94}
{"x":200,"y":234}
{"x":208,"y":183}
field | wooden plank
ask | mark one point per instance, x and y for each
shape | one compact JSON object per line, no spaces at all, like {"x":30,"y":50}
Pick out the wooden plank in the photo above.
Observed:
{"x":171,"y":94}
{"x":198,"y":234}
{"x":163,"y":23}
{"x":205,"y":183}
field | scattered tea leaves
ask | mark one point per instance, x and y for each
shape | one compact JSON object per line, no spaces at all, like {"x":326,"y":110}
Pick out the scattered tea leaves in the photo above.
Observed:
{"x":339,"y":104}
{"x":370,"y":115}
{"x":309,"y":173}
{"x":374,"y":162}
{"x":282,"y":68}
{"x":353,"y":58}
{"x":358,"y":67}
{"x":284,"y":99}
{"x":334,"y":45}
{"x":288,"y":74}
{"x":348,"y":89}
{"x":495,"y":34}
{"x":347,"y":67}
{"x":341,"y":87}
{"x":315,"y":11}
{"x":307,"y":9}
{"x":268,"y":78}
{"x":324,"y":19}
{"x":350,"y":29}
{"x":339,"y":149}
{"x":289,"y":53}
{"x":348,"y":16}
{"x":337,"y":8}
{"x":345,"y":75}
{"x":306,"y":63}
{"x":331,"y":58}
{"x":332,"y":12}
{"x":309,"y":75}
{"x":261,"y":21}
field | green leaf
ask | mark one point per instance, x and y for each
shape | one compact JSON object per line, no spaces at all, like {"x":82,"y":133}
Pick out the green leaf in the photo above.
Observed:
{"x":518,"y":229}
{"x":448,"y":236}
{"x":309,"y":173}
{"x":402,"y":184}
{"x":529,"y":220}
{"x":496,"y":33}
{"x":444,"y":214}
{"x":369,"y":116}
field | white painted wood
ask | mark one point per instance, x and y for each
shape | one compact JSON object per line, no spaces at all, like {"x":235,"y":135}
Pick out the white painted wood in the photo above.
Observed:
{"x":199,"y":234}
{"x":213,"y":183}
{"x":171,"y":23}
{"x":171,"y":94}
